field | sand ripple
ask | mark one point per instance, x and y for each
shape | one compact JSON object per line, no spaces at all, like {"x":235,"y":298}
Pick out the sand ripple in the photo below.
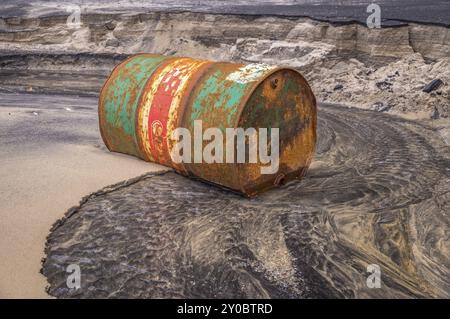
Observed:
{"x":378,"y":192}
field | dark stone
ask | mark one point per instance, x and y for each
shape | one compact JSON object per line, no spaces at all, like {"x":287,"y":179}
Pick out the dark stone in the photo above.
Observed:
{"x":433,"y":85}
{"x":110,"y":25}
{"x":394,"y":75}
{"x":385,"y":108}
{"x":338,"y":87}
{"x":381,"y":107}
{"x":384,"y":85}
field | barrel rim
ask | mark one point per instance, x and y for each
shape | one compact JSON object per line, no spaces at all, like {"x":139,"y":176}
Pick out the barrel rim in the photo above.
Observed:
{"x":244,"y":102}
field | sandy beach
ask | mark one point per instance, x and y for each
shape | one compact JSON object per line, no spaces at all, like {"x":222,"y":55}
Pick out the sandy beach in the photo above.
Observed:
{"x":44,"y":175}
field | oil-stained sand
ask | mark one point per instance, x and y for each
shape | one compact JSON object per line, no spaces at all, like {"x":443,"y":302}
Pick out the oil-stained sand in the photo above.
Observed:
{"x":378,"y":192}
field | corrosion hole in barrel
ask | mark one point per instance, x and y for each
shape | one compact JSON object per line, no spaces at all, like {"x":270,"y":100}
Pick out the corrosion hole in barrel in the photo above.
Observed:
{"x":274,"y":83}
{"x":280,"y":180}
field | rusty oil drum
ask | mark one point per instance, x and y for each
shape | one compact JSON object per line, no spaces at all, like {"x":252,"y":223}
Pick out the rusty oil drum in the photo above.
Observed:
{"x":147,"y":96}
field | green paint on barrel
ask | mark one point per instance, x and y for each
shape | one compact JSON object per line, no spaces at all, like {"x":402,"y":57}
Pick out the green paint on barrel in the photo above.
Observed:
{"x":218,"y":95}
{"x":121,"y":98}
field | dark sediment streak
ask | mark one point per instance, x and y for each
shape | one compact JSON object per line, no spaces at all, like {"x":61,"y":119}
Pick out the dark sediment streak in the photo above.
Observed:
{"x":394,"y":12}
{"x":378,"y":193}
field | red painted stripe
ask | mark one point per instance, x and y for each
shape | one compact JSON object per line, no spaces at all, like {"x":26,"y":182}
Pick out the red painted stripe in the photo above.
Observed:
{"x":158,"y":117}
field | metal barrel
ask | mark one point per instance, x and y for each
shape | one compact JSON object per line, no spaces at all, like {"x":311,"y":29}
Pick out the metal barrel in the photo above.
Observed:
{"x":148,"y":97}
{"x":119,"y":101}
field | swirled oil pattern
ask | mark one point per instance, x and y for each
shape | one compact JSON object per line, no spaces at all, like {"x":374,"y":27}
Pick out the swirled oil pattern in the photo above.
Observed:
{"x":378,"y":192}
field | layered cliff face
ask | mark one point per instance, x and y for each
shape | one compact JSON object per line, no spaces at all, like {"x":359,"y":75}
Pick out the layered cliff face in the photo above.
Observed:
{"x":381,"y":69}
{"x":168,"y":32}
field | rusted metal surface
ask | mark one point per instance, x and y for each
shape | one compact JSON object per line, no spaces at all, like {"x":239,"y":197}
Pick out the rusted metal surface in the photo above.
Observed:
{"x":162,"y":106}
{"x":282,"y":100}
{"x":148,"y":96}
{"x":119,"y":99}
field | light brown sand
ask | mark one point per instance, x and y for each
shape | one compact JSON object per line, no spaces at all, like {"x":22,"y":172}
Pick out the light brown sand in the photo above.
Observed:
{"x":36,"y":189}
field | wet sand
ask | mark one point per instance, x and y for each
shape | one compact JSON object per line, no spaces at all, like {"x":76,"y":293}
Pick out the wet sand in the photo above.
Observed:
{"x":377,"y":193}
{"x":51,"y":155}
